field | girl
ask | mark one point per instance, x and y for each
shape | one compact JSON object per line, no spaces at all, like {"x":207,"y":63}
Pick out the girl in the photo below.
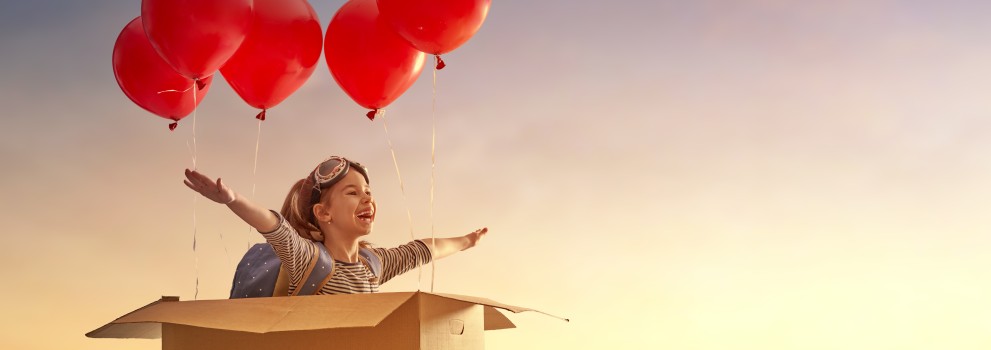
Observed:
{"x":332,"y":207}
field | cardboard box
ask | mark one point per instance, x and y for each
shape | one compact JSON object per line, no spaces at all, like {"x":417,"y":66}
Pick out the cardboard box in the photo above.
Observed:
{"x":408,"y":320}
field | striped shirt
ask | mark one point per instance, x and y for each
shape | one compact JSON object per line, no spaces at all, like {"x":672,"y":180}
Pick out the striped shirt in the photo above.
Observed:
{"x":296,"y":253}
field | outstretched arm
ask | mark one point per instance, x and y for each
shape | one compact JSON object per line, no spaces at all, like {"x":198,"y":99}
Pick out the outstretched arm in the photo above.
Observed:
{"x":443,"y":247}
{"x":260,"y":218}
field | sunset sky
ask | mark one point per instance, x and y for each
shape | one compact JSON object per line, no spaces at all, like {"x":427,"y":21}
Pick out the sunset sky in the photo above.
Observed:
{"x":697,"y":175}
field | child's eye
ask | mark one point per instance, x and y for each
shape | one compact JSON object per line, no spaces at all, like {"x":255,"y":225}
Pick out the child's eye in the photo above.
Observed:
{"x":352,"y":192}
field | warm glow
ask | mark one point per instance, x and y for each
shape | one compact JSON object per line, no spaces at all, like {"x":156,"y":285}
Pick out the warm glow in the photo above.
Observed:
{"x":708,"y":175}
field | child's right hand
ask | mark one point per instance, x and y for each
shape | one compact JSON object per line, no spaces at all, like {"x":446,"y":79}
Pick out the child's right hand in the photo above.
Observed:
{"x":215,"y":191}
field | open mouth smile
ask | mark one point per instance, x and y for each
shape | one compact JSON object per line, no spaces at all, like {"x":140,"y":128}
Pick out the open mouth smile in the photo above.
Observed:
{"x":366,"y":216}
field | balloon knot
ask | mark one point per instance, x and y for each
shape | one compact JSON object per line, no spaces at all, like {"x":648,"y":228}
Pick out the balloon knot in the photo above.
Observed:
{"x":200,"y":84}
{"x":440,"y":63}
{"x":261,"y":116}
{"x":173,"y":125}
{"x":371,"y":114}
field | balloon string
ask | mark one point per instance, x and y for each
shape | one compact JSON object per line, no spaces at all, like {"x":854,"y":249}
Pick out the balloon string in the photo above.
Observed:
{"x":194,"y":128}
{"x":254,"y":172}
{"x":402,"y":188}
{"x":175,"y":122}
{"x":196,"y":260}
{"x":433,"y":165}
{"x":226,"y":253}
{"x":196,"y":294}
{"x":187,"y":89}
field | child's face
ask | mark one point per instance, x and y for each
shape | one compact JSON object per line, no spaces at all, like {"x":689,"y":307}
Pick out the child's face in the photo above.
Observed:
{"x":350,"y":205}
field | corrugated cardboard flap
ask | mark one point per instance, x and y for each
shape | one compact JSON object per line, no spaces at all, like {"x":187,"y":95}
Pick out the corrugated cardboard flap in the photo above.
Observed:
{"x":132,"y":330}
{"x":483,"y":301}
{"x":258,"y":315}
{"x":493,"y":318}
{"x":496,"y":320}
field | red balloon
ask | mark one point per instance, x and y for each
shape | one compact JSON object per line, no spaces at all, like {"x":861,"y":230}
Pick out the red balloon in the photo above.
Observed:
{"x":150,"y":82}
{"x":278,"y":55}
{"x":367,"y":59}
{"x":196,"y":37}
{"x":435,"y":26}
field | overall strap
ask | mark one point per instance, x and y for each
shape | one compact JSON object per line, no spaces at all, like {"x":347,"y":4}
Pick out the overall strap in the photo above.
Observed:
{"x":372,"y":260}
{"x":281,"y":282}
{"x":317,"y":273}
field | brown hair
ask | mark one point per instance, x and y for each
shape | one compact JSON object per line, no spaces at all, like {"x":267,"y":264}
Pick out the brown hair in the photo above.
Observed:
{"x":298,"y":213}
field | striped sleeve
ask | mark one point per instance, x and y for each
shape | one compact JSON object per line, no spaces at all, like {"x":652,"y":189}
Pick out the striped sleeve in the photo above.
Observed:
{"x":294,"y":251}
{"x":398,"y":260}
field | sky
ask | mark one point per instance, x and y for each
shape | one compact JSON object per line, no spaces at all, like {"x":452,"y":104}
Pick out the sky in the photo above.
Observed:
{"x":715,"y":174}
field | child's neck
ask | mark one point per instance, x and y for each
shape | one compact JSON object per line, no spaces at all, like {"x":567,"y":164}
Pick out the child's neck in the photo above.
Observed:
{"x":342,"y":249}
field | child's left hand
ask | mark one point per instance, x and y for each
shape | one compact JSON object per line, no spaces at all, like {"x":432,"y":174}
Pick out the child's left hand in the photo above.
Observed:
{"x":475,"y":236}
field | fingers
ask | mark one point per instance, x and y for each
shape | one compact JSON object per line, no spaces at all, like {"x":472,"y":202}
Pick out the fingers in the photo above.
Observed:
{"x":213,"y":190}
{"x":479,"y":233}
{"x":202,"y":183}
{"x":194,"y":182}
{"x":193,"y":177}
{"x":198,"y":179}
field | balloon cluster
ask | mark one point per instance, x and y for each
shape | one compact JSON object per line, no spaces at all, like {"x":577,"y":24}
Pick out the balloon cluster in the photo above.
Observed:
{"x":164,"y":60}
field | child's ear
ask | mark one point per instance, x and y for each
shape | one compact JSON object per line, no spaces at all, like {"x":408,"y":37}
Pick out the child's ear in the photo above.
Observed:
{"x":322,"y":213}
